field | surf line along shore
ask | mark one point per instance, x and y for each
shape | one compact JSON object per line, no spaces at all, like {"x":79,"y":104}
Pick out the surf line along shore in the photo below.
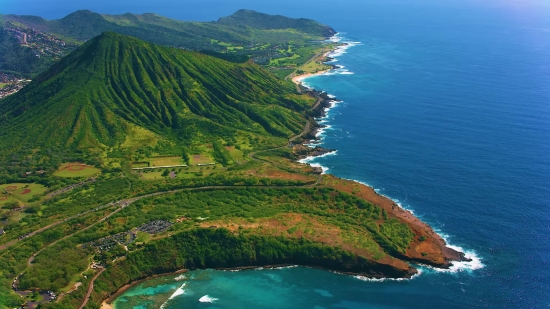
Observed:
{"x":440,"y":255}
{"x":418,"y":249}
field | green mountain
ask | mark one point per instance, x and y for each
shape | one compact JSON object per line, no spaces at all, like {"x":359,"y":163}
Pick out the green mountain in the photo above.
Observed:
{"x":248,"y":18}
{"x":113,"y":86}
{"x":245,"y":34}
{"x":240,"y":27}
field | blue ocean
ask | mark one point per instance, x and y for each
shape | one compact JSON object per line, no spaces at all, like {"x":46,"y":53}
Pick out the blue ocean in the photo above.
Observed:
{"x":443,"y":106}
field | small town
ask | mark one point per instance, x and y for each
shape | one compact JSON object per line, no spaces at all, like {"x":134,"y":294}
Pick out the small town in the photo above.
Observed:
{"x":10,"y":84}
{"x":43,"y":43}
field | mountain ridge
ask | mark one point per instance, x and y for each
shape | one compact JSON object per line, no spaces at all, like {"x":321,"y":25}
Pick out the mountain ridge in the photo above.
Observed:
{"x":114,"y":81}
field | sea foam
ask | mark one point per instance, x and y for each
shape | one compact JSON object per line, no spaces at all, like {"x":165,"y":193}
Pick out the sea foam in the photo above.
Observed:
{"x":367,"y":279}
{"x":207,"y":299}
{"x":179,"y":291}
{"x":456,"y":266}
{"x":475,"y":262}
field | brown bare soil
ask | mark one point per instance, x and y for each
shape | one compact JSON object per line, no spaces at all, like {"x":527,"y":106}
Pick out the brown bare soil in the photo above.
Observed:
{"x":271,"y":173}
{"x":26,"y":191}
{"x":75,"y":168}
{"x":432,"y":250}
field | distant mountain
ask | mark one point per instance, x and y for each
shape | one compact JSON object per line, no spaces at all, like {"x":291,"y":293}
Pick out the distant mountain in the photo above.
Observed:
{"x":96,"y":96}
{"x":245,"y":34}
{"x":240,"y":28}
{"x":248,"y":18}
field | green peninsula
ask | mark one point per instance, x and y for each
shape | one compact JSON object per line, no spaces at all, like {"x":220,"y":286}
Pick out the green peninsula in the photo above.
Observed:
{"x":139,"y":160}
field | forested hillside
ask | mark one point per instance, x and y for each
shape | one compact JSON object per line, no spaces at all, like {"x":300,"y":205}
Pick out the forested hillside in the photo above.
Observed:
{"x":91,"y":98}
{"x":245,"y":34}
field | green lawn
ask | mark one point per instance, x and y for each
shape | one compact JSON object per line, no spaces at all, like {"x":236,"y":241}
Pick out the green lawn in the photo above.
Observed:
{"x":76,"y":170}
{"x":21,"y":192}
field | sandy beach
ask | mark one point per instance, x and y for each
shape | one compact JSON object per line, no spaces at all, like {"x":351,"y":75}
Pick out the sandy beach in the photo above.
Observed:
{"x":298,"y":79}
{"x":105,"y":305}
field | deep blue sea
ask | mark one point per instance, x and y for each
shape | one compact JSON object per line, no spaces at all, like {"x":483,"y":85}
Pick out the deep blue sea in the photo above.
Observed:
{"x":445,"y":108}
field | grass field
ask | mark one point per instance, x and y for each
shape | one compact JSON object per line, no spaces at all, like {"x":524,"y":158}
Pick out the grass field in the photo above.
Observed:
{"x":76,"y":170}
{"x":2,"y":85}
{"x":20,"y":192}
{"x":165,"y":161}
{"x":235,"y":153}
{"x":201,"y":159}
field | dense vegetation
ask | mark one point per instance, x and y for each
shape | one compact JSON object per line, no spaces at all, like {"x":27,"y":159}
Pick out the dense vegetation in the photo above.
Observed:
{"x":243,"y":35}
{"x":17,"y":59}
{"x":117,"y":91}
{"x":219,"y":248}
{"x":139,"y":112}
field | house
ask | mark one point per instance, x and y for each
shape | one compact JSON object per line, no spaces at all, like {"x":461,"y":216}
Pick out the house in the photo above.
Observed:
{"x":2,"y":232}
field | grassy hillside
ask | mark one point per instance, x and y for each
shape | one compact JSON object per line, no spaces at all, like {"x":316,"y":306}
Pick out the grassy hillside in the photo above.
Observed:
{"x":245,"y":34}
{"x":92,"y":97}
{"x":248,"y":18}
{"x":194,"y":165}
{"x":239,"y":27}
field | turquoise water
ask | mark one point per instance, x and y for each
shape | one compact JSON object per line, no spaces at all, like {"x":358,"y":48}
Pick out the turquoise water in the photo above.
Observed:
{"x":447,"y":111}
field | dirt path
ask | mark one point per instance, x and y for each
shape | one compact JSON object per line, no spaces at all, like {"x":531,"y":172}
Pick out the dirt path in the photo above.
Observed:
{"x":90,"y":289}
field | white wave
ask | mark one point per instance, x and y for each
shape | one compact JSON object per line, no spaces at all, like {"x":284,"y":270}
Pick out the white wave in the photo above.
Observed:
{"x":363,"y":278}
{"x":475,"y":262}
{"x":456,"y":266}
{"x":180,"y":277}
{"x":323,"y":168}
{"x":207,"y":299}
{"x":179,"y":291}
{"x":459,"y":266}
{"x":286,"y":267}
{"x":308,"y":160}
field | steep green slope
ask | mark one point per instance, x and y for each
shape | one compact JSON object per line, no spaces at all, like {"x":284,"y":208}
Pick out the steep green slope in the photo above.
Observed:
{"x":243,"y":35}
{"x":258,"y":20}
{"x":240,"y":27}
{"x":96,"y":95}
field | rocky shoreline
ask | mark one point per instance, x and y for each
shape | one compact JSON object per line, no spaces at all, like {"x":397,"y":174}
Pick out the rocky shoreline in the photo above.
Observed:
{"x":447,"y":254}
{"x":441,"y":256}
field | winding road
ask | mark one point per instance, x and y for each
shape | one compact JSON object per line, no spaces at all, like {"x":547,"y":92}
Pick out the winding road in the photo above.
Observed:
{"x":126,"y":202}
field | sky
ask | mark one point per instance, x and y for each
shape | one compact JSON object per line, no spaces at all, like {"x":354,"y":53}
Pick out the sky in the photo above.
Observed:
{"x":209,"y":10}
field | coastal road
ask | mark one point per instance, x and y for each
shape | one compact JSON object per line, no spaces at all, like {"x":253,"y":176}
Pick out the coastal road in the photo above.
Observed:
{"x":52,"y":225}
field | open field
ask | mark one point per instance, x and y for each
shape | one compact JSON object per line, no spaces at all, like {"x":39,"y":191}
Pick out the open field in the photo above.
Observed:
{"x":201,"y":159}
{"x":2,"y":85}
{"x":76,"y":170}
{"x":235,"y":153}
{"x":21,"y":192}
{"x":165,"y":161}
{"x":180,"y":172}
